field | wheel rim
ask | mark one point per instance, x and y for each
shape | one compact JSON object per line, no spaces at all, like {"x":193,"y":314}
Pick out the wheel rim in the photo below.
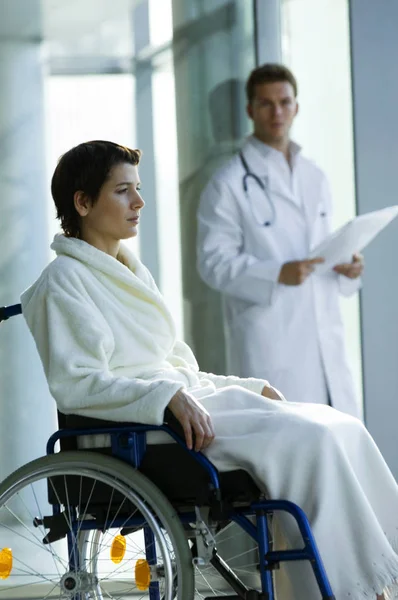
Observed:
{"x":95,"y":554}
{"x":42,"y":571}
{"x":242,"y":559}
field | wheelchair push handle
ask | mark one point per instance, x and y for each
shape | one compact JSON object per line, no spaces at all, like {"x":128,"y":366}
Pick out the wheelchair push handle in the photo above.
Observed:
{"x":6,"y":312}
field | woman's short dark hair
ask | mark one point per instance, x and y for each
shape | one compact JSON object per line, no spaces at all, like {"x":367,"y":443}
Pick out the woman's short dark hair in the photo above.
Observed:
{"x":268,"y":73}
{"x":85,"y":168}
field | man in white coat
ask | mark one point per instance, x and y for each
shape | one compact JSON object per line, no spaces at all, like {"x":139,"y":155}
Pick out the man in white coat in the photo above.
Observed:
{"x":258,"y":219}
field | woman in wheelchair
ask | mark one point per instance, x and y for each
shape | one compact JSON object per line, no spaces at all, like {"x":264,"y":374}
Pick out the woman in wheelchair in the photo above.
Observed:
{"x":108,"y":345}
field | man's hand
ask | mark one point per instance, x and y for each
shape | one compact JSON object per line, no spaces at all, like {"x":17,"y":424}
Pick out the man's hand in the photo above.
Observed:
{"x":193,"y":417}
{"x":351,"y":270}
{"x":296,"y":272}
{"x":270,"y":392}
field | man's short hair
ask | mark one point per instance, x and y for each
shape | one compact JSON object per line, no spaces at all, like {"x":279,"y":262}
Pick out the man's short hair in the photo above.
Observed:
{"x":268,"y":73}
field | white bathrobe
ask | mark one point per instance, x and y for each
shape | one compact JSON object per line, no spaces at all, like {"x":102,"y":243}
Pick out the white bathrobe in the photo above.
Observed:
{"x":108,"y":346}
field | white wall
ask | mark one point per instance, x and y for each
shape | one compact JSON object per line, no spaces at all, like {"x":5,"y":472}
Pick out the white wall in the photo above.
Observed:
{"x":375,"y":86}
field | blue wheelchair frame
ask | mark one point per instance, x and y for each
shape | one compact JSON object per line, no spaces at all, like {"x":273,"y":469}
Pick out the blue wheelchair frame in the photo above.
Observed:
{"x":128,"y":443}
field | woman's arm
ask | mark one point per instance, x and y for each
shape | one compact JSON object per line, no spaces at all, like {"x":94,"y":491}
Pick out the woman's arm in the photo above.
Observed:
{"x":74,"y":342}
{"x":196,"y":421}
{"x":258,"y":386}
{"x":182,"y":356}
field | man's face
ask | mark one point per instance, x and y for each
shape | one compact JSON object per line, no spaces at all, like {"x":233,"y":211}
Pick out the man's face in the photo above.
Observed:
{"x":272,"y":110}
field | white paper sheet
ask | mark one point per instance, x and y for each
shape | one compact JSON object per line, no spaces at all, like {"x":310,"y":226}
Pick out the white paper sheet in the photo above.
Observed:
{"x":352,"y":237}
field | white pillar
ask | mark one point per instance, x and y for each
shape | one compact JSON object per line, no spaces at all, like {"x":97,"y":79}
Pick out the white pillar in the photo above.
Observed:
{"x":27,"y":412}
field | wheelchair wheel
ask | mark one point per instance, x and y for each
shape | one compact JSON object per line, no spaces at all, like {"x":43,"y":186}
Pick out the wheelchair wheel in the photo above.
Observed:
{"x":85,"y":526}
{"x":240,"y":553}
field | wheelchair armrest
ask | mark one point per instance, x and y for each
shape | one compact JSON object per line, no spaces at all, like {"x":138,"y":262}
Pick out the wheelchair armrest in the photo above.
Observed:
{"x":79,"y":422}
{"x":186,"y":477}
{"x":72,"y":426}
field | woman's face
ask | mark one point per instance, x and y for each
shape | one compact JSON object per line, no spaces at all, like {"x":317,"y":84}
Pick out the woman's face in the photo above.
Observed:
{"x":115,"y":214}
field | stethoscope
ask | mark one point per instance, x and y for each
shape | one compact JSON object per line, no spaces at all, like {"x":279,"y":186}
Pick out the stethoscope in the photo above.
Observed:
{"x":249,"y":174}
{"x":262,"y":185}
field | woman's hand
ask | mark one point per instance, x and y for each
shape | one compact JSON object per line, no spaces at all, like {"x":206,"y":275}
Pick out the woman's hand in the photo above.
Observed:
{"x":193,"y":417}
{"x":272,"y":393}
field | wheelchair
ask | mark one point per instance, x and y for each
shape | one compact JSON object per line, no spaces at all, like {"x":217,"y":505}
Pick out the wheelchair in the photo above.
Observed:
{"x":130,"y":519}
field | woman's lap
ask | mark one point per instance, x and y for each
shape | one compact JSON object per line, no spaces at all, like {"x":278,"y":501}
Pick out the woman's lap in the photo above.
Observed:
{"x":327,"y":463}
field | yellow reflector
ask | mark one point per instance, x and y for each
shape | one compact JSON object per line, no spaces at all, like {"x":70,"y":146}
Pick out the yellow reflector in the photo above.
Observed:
{"x":142,"y":574}
{"x":118,"y":549}
{"x":5,"y":563}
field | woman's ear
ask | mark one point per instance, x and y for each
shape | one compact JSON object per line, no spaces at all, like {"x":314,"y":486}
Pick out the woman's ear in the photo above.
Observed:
{"x":82,"y":203}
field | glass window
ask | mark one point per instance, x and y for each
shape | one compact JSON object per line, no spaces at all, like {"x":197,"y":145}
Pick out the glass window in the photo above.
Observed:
{"x":214,"y":52}
{"x":88,"y":107}
{"x":316,"y":46}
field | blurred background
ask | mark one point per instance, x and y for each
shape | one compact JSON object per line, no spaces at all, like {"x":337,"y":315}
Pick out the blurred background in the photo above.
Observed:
{"x":167,"y":76}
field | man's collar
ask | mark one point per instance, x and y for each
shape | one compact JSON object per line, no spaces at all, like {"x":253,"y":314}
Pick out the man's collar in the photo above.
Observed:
{"x":266,"y":150}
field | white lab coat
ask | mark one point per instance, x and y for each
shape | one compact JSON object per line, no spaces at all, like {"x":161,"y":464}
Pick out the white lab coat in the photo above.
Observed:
{"x":291,"y":335}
